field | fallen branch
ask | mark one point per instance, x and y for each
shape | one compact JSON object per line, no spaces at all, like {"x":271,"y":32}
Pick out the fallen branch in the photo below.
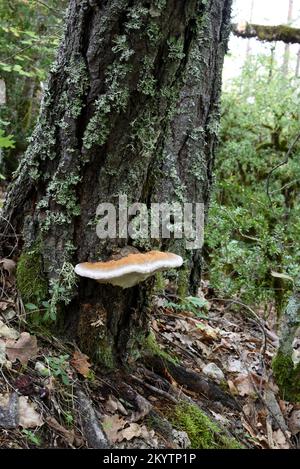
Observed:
{"x":283,"y":33}
{"x":192,"y":381}
{"x":90,"y":423}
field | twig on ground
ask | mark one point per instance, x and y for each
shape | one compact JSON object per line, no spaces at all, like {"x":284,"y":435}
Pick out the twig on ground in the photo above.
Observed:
{"x":160,"y":392}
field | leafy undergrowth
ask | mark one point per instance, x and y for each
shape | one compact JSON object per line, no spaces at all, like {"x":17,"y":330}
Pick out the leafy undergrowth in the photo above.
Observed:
{"x":43,"y":378}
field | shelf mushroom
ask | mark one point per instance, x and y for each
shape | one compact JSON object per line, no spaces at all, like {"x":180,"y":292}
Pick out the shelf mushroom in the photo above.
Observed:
{"x":130,"y":270}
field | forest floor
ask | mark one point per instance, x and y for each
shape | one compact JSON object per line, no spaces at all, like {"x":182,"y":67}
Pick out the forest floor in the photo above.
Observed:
{"x":52,"y":395}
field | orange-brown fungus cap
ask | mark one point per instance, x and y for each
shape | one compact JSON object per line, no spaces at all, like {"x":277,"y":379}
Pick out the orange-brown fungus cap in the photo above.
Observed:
{"x":129,"y":270}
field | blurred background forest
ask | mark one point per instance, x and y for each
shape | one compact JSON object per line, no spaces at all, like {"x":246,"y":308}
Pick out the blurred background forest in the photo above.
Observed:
{"x":252,"y":249}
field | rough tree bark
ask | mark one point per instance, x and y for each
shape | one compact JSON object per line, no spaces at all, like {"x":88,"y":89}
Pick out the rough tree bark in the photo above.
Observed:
{"x":286,"y":364}
{"x":132,"y":107}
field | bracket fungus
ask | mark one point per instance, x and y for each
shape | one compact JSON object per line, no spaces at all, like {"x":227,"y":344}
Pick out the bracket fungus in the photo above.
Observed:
{"x":130,"y":270}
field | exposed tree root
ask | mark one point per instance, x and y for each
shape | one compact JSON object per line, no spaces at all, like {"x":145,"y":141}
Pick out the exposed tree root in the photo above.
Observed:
{"x":191,"y":380}
{"x":171,"y":400}
{"x":92,"y":430}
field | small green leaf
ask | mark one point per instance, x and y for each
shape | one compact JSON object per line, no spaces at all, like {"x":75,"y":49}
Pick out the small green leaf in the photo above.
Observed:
{"x":31,"y":307}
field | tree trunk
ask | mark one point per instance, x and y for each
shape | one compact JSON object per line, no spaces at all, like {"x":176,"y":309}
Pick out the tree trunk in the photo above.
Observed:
{"x":248,"y":50}
{"x":297,"y":72}
{"x":286,"y":55}
{"x":132,"y":107}
{"x":286,"y":364}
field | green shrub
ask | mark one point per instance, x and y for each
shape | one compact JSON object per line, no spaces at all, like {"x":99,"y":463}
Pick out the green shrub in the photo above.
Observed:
{"x":248,"y":235}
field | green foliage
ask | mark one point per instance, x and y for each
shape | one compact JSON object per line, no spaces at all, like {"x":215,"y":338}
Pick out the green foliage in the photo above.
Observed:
{"x":41,"y":313}
{"x":6,"y":141}
{"x":32,"y":437}
{"x":202,"y":432}
{"x":248,"y":236}
{"x":29,"y":35}
{"x":59,"y":367}
{"x":33,"y":287}
{"x":69,"y":419}
{"x":61,"y":290}
{"x":190,"y":303}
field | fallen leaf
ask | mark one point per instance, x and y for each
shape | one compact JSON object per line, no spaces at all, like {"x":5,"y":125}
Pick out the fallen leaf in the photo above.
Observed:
{"x":184,"y":339}
{"x":232,"y":387}
{"x":261,"y":440}
{"x":112,"y":425}
{"x":28,"y":416}
{"x":280,"y":439}
{"x":4,"y":305}
{"x":9,"y":266}
{"x":23,"y":349}
{"x":235,"y":366}
{"x":133,"y":431}
{"x":182,"y":325}
{"x":24,"y":385}
{"x":8,"y":332}
{"x":9,"y":314}
{"x":155,"y":325}
{"x":205,"y":350}
{"x":227,"y":344}
{"x":244,"y":385}
{"x":220,"y":418}
{"x":3,"y":360}
{"x":213,"y":371}
{"x":80,"y":363}
{"x":136,"y":431}
{"x":113,"y":405}
{"x":207,"y":332}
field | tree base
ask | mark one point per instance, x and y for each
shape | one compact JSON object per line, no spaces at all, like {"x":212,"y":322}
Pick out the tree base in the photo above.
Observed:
{"x":112,"y":325}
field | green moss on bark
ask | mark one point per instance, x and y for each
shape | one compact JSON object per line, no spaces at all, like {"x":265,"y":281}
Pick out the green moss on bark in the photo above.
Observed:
{"x":105,"y":355}
{"x":151,"y":347}
{"x":31,"y":281}
{"x":183,"y":283}
{"x":287,"y":376}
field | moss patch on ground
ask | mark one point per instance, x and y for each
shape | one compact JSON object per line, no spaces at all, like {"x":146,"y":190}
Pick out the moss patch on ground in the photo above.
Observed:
{"x":202,"y":432}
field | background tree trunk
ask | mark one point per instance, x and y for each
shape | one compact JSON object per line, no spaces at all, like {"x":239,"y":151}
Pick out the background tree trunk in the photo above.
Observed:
{"x":286,"y":56}
{"x":132,"y":107}
{"x":248,"y":50}
{"x":286,"y":364}
{"x":297,"y":71}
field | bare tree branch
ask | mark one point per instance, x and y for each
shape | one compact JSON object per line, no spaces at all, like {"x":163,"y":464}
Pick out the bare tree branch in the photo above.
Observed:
{"x":283,"y":33}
